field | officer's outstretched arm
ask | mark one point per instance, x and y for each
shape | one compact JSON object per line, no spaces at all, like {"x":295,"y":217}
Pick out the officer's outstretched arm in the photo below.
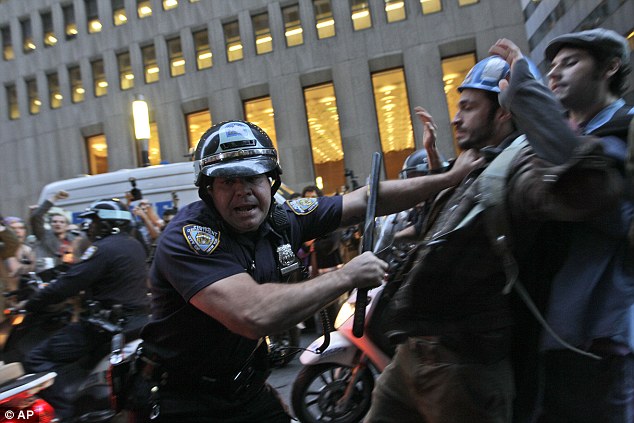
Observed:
{"x":397,"y":195}
{"x":254,"y":310}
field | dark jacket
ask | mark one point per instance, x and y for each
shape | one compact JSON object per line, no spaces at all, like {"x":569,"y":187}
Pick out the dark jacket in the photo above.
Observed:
{"x":455,"y":284}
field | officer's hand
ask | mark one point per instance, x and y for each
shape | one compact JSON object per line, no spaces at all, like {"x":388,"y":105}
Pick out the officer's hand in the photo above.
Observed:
{"x":365,"y":270}
{"x":466,"y":162}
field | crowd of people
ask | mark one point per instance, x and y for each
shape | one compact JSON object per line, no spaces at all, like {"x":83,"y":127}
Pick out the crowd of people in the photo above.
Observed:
{"x":517,"y":304}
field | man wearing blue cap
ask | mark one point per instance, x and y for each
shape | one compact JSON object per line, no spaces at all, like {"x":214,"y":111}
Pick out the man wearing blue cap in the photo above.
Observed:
{"x":452,"y":317}
{"x":591,"y":303}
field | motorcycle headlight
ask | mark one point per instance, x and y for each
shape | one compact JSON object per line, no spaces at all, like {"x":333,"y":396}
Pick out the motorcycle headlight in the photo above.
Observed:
{"x":346,"y":312}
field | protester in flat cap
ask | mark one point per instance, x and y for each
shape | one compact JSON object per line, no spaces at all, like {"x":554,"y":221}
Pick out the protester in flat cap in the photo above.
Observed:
{"x":591,"y":297}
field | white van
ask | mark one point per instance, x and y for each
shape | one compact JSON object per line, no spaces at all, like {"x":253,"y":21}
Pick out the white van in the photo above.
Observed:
{"x":158,"y":184}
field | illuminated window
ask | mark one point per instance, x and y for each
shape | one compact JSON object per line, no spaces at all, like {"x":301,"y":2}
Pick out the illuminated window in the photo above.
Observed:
{"x":28,"y":45}
{"x":143,"y":8}
{"x":55,"y":96}
{"x":92,"y":17}
{"x":177,"y":61}
{"x":325,"y":137}
{"x":7,"y":46}
{"x":154,"y":146}
{"x":47,"y":28}
{"x":97,"y":148}
{"x":150,"y":67}
{"x":204,"y":57}
{"x":263,"y":38}
{"x":430,"y":6}
{"x":454,"y":70}
{"x":119,"y":15}
{"x":360,"y":14}
{"x":34,"y":98}
{"x":324,"y":19}
{"x":467,"y":2}
{"x":395,"y":10}
{"x":395,"y":123}
{"x":260,"y":112}
{"x":292,"y":26}
{"x":170,"y":4}
{"x":70,"y":25}
{"x":76,"y":85}
{"x":126,"y":76}
{"x":197,"y":123}
{"x":12,"y":102}
{"x":99,"y":78}
{"x":232,"y":41}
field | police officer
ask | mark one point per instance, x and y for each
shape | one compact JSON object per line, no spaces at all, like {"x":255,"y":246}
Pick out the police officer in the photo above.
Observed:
{"x":112,"y":271}
{"x":216,"y":276}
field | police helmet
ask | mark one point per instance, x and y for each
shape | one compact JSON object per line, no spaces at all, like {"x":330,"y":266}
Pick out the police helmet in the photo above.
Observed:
{"x":235,"y":149}
{"x":417,"y":164}
{"x":487,"y":73}
{"x":110,"y":214}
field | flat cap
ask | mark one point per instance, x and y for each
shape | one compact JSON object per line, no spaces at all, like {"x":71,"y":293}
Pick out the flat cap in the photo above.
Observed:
{"x":592,"y":39}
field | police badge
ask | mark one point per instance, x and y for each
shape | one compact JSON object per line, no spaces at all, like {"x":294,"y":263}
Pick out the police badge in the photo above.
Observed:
{"x":287,"y":260}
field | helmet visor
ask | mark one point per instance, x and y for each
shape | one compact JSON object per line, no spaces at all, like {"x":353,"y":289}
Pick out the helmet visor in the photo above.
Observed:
{"x":252,"y":166}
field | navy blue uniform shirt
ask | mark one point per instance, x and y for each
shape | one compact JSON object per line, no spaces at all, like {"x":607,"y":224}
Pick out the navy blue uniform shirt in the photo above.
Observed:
{"x":196,"y":250}
{"x":111,"y":271}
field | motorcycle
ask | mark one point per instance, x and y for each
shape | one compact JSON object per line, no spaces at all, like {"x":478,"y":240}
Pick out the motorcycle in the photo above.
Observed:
{"x":18,"y":399}
{"x":91,"y":386}
{"x":335,"y":385}
{"x":21,"y":331}
{"x":87,"y":383}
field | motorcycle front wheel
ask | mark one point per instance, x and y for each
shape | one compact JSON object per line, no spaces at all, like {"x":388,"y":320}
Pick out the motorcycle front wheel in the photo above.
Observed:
{"x":318,"y":389}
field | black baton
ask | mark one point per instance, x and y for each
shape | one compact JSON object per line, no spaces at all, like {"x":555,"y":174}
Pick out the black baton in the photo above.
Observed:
{"x":368,"y":241}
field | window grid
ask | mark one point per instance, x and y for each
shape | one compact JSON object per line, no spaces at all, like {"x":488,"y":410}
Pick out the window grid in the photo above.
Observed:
{"x":430,"y":6}
{"x":70,"y":25}
{"x":97,"y":149}
{"x":204,"y":57}
{"x":176,"y":59}
{"x":47,"y":28}
{"x":360,"y":14}
{"x":119,"y":15}
{"x":233,"y":43}
{"x":92,"y":17}
{"x":126,"y":76}
{"x":12,"y":102}
{"x":293,"y":30}
{"x":150,"y":66}
{"x":263,"y":37}
{"x":7,"y":45}
{"x":34,"y":98}
{"x":395,"y":10}
{"x":54,"y":93}
{"x":28,"y":44}
{"x":77,"y":86}
{"x":324,"y":19}
{"x":99,"y":78}
{"x":143,"y":9}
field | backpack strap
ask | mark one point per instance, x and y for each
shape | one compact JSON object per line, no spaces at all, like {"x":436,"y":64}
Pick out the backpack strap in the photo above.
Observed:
{"x":492,"y":187}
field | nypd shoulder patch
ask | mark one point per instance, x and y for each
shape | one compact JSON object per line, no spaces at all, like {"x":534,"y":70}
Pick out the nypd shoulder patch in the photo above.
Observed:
{"x":303,"y":206}
{"x":90,"y":251}
{"x":201,"y":240}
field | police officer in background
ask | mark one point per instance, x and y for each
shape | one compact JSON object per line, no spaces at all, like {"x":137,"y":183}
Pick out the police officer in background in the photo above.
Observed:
{"x":111,"y":271}
{"x":217,"y":278}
